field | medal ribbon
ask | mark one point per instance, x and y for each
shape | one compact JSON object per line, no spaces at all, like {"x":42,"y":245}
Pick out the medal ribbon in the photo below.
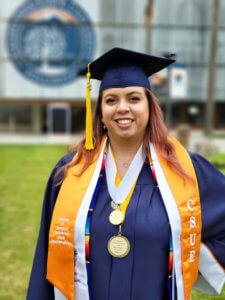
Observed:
{"x":123,"y":206}
{"x":120,"y":193}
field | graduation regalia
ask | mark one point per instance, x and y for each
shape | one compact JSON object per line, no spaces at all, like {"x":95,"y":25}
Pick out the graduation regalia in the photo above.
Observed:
{"x":143,"y":273}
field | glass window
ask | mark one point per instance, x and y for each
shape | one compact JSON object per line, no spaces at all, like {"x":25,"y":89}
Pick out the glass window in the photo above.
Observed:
{"x":176,"y":114}
{"x":172,"y":113}
{"x":78,"y":118}
{"x":221,"y":114}
{"x":221,"y":45}
{"x":219,"y":83}
{"x":222,"y":13}
{"x":20,"y":113}
{"x":191,"y":12}
{"x":195,"y":114}
{"x":125,"y":11}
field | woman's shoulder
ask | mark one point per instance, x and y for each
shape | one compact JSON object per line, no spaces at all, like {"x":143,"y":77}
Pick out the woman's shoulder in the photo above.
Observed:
{"x":65,"y":159}
{"x":56,"y":175}
{"x":200,"y":161}
{"x":205,"y":169}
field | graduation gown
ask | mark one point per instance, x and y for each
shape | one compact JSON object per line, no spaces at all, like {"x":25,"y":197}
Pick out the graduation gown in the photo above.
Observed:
{"x":142,"y":274}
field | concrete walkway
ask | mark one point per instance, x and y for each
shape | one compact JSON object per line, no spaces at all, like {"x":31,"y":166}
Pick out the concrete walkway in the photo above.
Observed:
{"x":45,"y":139}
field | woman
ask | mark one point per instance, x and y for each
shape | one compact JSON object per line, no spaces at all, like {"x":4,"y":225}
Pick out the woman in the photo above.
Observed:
{"x":151,"y":215}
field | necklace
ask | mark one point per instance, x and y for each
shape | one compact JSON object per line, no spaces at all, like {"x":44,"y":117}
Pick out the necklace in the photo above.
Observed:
{"x":119,"y":245}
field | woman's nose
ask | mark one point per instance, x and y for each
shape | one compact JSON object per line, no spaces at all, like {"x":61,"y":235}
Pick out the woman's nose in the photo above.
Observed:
{"x":123,"y":106}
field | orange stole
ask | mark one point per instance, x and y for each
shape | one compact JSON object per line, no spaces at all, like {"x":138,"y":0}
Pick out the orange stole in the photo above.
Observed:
{"x":188,"y":203}
{"x":60,"y":263}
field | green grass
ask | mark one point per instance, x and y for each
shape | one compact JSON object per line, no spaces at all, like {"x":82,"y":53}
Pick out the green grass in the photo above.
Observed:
{"x":218,"y":159}
{"x":219,"y":135}
{"x":24,"y":171}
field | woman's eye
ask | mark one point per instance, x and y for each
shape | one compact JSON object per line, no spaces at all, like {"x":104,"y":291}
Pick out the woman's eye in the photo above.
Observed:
{"x":110,"y":100}
{"x":135,"y":98}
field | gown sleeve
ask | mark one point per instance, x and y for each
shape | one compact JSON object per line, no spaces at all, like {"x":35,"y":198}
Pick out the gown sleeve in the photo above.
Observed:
{"x":212,"y":254}
{"x":39,"y":287}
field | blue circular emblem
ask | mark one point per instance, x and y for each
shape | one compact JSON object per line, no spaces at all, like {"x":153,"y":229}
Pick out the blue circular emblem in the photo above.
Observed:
{"x":50,"y":41}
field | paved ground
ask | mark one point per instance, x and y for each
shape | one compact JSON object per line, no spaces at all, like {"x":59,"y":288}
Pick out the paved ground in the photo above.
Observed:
{"x":39,"y":139}
{"x":197,"y":141}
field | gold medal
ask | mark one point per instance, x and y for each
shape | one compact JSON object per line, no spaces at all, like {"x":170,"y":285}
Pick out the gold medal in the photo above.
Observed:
{"x":114,"y":205}
{"x":118,"y":246}
{"x":116,"y":217}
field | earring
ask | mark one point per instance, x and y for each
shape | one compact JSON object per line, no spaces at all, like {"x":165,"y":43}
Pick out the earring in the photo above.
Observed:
{"x":104,"y":127}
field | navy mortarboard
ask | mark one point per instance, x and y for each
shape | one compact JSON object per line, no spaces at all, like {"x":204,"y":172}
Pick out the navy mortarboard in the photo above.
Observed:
{"x":119,"y":68}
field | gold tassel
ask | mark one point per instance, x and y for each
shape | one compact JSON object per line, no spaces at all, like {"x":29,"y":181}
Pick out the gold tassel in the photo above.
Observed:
{"x":89,"y":130}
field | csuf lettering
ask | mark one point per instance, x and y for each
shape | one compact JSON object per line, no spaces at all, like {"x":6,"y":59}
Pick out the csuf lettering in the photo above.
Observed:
{"x":192,"y":224}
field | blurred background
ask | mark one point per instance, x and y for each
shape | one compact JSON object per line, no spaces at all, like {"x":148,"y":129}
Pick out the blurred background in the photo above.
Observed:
{"x":43,"y":46}
{"x":45,"y":43}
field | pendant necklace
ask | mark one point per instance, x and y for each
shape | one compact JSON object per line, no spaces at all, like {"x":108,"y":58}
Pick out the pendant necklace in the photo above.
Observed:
{"x":119,"y":245}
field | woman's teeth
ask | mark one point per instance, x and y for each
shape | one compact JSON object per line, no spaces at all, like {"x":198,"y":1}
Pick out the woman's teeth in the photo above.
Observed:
{"x":124,"y":121}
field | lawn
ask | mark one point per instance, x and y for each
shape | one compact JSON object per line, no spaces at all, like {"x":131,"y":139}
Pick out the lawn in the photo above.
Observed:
{"x":24,"y":171}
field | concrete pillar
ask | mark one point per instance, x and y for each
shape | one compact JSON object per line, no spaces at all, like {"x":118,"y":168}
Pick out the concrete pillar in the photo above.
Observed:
{"x":12,"y":124}
{"x":36,"y":119}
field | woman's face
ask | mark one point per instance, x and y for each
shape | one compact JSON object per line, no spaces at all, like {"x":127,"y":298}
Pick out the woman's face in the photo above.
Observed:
{"x":125,"y":112}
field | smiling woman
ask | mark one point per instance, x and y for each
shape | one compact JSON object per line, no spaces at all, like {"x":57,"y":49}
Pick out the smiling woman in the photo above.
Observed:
{"x":125,"y":114}
{"x":129,"y":214}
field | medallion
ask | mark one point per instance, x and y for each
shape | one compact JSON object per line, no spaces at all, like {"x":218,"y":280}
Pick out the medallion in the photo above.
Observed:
{"x":116,"y":217}
{"x":118,"y":246}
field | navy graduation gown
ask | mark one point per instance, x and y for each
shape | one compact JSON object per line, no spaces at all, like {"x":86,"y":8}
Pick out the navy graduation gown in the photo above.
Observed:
{"x":142,"y":274}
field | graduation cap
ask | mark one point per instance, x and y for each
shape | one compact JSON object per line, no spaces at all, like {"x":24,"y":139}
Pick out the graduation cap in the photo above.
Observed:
{"x":119,"y":68}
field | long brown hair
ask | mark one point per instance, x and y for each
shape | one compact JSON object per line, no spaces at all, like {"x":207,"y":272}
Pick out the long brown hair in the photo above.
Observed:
{"x":156,"y":132}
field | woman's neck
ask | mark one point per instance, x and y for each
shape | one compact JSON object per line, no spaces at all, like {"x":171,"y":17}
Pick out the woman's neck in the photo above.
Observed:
{"x":124,"y":154}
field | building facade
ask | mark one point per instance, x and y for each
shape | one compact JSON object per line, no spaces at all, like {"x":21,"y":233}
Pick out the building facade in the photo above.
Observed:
{"x":45,"y":43}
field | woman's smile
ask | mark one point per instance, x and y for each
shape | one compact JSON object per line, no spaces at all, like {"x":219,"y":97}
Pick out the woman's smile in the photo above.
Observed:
{"x":124,"y":123}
